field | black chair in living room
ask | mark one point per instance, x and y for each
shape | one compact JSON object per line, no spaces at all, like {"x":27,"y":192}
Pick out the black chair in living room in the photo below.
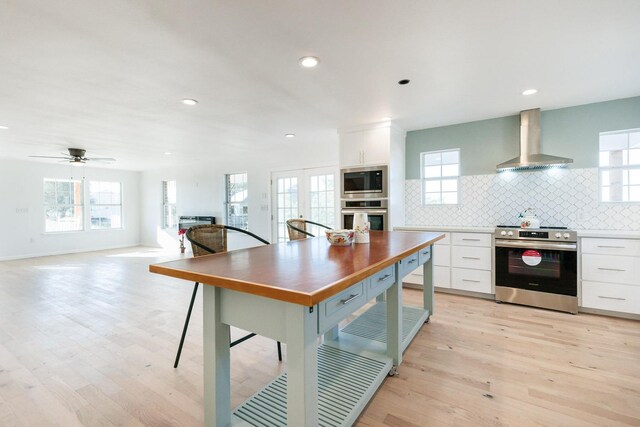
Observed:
{"x":207,"y":239}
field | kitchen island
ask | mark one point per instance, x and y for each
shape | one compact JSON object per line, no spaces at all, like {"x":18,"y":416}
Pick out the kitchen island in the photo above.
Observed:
{"x":296,"y":292}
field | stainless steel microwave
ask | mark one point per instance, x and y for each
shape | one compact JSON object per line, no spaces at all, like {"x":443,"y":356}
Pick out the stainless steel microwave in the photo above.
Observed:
{"x":364,"y":182}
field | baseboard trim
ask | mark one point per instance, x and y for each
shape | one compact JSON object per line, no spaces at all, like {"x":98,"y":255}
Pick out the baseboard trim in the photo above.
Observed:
{"x":75,"y":251}
{"x":491,"y":297}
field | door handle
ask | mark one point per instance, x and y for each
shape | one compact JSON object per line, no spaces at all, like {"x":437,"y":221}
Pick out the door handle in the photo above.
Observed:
{"x":617,"y":299}
{"x":610,"y":269}
{"x":348,"y":300}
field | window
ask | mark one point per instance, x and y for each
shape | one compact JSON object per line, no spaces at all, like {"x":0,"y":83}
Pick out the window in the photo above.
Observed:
{"x":169,"y":198}
{"x":237,"y":200}
{"x":63,"y":206}
{"x":620,"y":166}
{"x":440,"y":171}
{"x":322,"y":195}
{"x":105,"y":204}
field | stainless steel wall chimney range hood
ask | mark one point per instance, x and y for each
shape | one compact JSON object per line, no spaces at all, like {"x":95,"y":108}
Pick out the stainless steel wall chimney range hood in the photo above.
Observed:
{"x":530,"y":155}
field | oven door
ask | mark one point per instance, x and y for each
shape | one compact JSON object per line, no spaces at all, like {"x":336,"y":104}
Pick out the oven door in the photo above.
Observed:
{"x":537,"y":266}
{"x":377,"y":218}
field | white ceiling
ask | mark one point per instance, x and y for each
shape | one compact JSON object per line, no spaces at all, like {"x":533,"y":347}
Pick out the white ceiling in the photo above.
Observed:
{"x":109,"y":76}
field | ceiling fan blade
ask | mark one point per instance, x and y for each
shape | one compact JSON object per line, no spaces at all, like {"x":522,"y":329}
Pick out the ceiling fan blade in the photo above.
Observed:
{"x":51,"y":157}
{"x":101,"y":159}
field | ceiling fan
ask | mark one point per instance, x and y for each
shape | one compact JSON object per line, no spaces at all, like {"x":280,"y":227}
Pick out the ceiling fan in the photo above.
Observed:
{"x":76,"y":156}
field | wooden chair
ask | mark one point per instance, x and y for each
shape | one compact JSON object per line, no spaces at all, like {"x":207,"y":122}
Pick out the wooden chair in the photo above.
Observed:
{"x":297,"y":228}
{"x":207,"y":239}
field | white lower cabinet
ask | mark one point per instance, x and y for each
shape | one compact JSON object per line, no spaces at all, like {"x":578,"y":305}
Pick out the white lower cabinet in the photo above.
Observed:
{"x":612,"y":297}
{"x":461,"y":261}
{"x":611,"y":274}
{"x":442,"y":276}
{"x":471,"y":280}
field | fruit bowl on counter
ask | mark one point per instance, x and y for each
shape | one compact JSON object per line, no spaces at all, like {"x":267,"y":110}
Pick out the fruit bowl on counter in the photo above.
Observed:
{"x":340,"y":237}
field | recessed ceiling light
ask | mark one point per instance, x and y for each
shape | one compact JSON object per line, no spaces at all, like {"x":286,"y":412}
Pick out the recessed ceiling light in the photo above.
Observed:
{"x":309,"y":61}
{"x":189,"y":101}
{"x":289,"y":135}
{"x":530,"y":92}
{"x":167,"y":153}
{"x":4,"y":127}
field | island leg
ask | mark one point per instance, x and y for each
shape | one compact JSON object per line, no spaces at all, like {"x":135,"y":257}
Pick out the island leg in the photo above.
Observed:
{"x":302,"y":366}
{"x":217,"y":377}
{"x":394,"y":321}
{"x":427,"y":282}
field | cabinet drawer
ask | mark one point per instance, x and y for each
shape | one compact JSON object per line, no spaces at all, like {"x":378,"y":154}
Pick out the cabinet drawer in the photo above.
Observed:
{"x":445,"y":240}
{"x":472,"y":239}
{"x":408,"y":264}
{"x":441,"y":276}
{"x":471,"y":257}
{"x":627,"y":247}
{"x":471,"y":280}
{"x":380,"y":281}
{"x":424,"y":255}
{"x":611,"y":269}
{"x":442,"y":255}
{"x":339,"y":306}
{"x":605,"y":296}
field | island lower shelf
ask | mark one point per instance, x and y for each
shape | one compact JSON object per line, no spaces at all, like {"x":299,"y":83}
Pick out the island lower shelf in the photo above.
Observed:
{"x":346,"y":382}
{"x":372,"y":324}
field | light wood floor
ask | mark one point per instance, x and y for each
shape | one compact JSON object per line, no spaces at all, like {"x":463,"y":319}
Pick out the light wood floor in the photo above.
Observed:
{"x":90,"y":339}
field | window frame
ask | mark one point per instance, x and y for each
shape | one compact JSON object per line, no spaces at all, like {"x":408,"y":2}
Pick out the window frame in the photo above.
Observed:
{"x":228,"y":203}
{"x":90,"y":205}
{"x":424,"y":180}
{"x":625,"y":167}
{"x":80,"y":205}
{"x":166,"y":205}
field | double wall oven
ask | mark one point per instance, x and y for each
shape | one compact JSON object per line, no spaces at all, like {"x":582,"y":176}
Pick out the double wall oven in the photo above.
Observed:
{"x":537,"y":267}
{"x":365,"y":190}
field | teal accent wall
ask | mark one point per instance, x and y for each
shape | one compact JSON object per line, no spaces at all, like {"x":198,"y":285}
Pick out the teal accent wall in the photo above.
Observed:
{"x":567,"y":132}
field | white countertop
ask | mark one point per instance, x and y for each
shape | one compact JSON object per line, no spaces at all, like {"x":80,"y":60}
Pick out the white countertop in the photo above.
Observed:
{"x":440,"y":228}
{"x":611,"y":234}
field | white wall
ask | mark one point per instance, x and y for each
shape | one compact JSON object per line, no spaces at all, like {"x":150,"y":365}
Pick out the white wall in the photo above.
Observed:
{"x":200,"y":189}
{"x":22,"y":210}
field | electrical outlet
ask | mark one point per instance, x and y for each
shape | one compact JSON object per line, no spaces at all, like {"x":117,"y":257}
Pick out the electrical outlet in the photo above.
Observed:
{"x":22,"y":210}
{"x":264,"y":208}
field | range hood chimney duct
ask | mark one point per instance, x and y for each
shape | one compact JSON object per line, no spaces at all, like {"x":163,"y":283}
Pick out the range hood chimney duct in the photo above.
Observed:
{"x":530,"y":153}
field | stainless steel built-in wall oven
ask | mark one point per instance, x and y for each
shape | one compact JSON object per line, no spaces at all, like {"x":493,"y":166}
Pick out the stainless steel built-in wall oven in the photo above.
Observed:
{"x":376,"y":211}
{"x":364,"y":183}
{"x":537,"y":267}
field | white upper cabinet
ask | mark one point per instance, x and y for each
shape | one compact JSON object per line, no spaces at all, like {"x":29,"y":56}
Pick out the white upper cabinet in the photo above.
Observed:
{"x":365,"y":147}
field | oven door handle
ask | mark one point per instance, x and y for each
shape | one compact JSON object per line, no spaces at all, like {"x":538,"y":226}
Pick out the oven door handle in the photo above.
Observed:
{"x":536,"y":245}
{"x":368,"y":211}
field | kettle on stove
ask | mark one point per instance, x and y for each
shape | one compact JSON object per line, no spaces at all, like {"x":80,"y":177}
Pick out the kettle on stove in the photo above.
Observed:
{"x":528,"y":219}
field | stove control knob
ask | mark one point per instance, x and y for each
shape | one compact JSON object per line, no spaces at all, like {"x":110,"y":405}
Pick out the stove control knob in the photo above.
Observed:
{"x":510,"y":233}
{"x":558,"y":235}
{"x":566,"y":235}
{"x":503,"y":233}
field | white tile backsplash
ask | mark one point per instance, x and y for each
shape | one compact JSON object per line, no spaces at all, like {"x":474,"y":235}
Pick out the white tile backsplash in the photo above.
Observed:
{"x":560,"y":197}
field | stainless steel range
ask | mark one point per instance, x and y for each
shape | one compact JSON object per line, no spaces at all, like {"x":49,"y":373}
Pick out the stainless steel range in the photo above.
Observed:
{"x":537,"y":267}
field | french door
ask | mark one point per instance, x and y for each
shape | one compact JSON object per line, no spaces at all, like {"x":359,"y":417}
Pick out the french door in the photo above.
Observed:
{"x":304,"y":193}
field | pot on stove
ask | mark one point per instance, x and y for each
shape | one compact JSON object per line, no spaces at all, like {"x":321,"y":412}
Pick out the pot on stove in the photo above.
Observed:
{"x":528,"y":219}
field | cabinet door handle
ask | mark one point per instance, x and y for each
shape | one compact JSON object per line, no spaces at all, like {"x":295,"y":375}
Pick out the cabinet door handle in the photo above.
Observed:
{"x":610,"y":269}
{"x":386,"y":276}
{"x":348,"y":300}
{"x":412,"y":261}
{"x":611,"y":247}
{"x":469,"y":280}
{"x":617,"y":299}
{"x":470,"y":257}
{"x":470,"y":240}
